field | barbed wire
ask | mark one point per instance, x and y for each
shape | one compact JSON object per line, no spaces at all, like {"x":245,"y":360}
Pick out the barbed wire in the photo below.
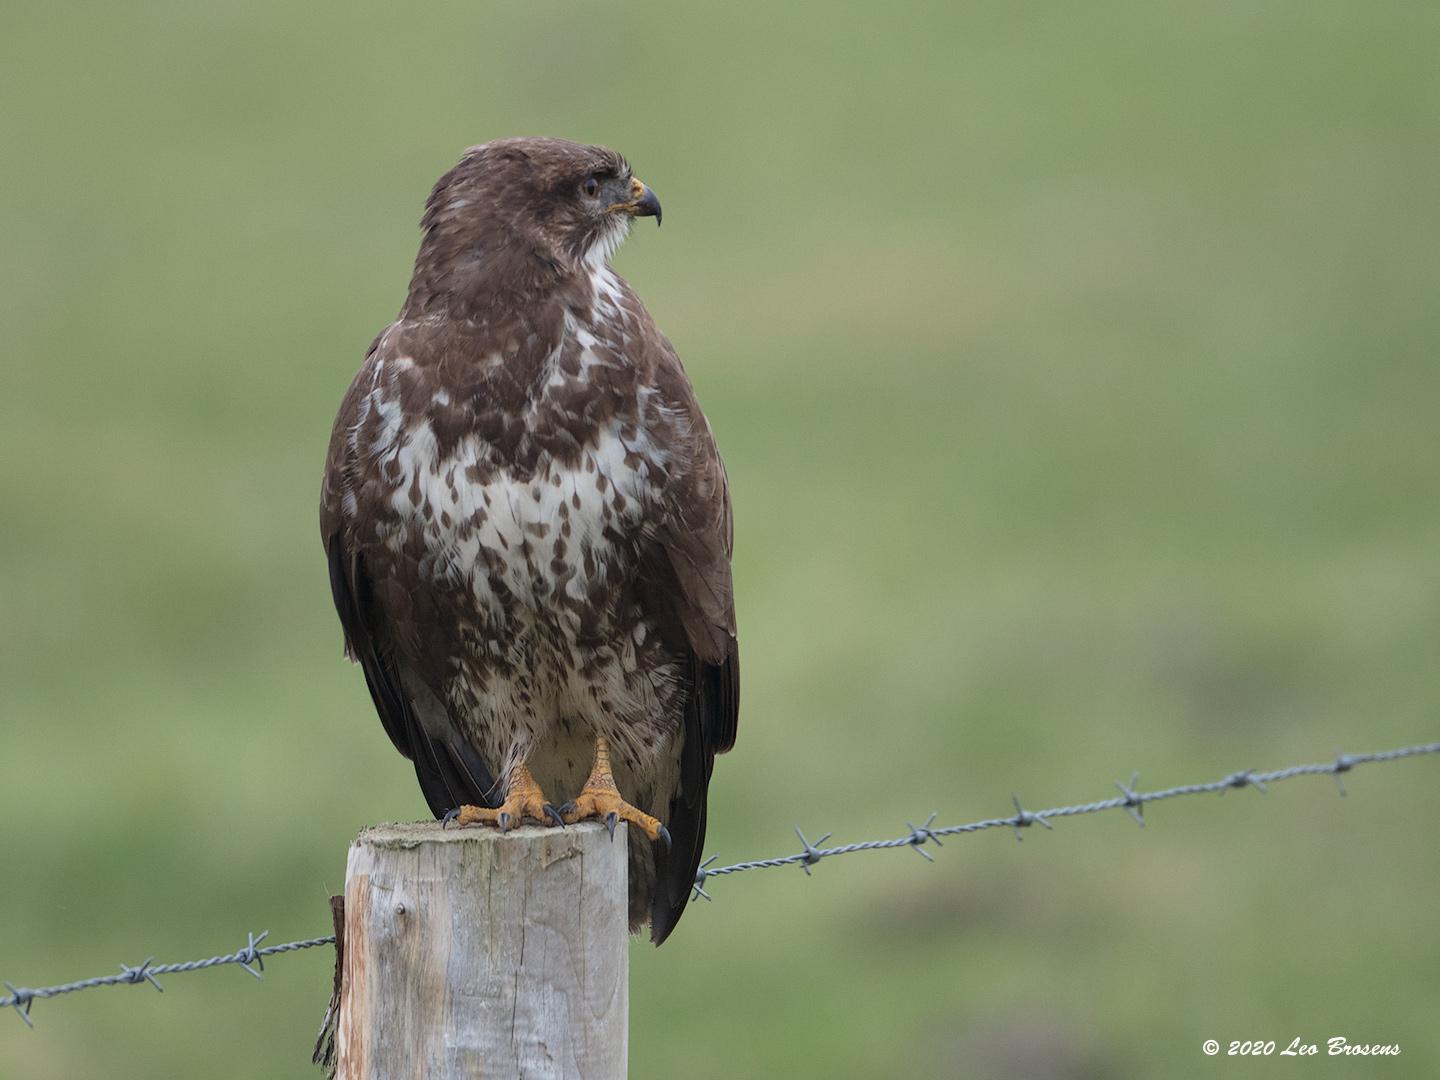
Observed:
{"x":252,"y":957}
{"x":1129,"y":800}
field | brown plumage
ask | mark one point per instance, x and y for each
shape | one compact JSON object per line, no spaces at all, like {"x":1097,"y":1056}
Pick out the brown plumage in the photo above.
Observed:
{"x":527,"y":520}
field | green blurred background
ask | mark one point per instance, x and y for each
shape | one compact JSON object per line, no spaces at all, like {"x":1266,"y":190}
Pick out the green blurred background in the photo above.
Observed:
{"x":1076,"y":368}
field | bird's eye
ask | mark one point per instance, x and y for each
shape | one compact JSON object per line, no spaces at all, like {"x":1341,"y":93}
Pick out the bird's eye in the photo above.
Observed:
{"x":591,"y":187}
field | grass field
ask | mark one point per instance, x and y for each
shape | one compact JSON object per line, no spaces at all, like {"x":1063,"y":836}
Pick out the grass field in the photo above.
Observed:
{"x":1076,"y":368}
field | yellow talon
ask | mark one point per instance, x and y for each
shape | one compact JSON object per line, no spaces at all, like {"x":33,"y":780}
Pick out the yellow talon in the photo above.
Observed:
{"x":523,"y":799}
{"x":601,"y":799}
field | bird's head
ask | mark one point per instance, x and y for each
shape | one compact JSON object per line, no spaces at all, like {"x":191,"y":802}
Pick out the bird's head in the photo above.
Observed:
{"x":531,"y":200}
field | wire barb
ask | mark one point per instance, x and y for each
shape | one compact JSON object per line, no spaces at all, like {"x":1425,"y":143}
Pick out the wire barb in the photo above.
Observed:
{"x":1245,"y":778}
{"x":1343,"y":763}
{"x":249,"y":956}
{"x":923,"y":834}
{"x":701,"y":873}
{"x":812,"y":854}
{"x":1023,"y":818}
{"x":1134,"y":805}
{"x":21,"y":999}
{"x":141,"y":974}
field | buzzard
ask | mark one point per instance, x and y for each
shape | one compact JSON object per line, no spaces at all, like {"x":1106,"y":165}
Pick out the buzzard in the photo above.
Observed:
{"x":528,"y":523}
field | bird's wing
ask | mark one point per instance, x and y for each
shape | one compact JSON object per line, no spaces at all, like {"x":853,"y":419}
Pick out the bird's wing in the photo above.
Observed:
{"x":690,"y":554}
{"x":448,"y":768}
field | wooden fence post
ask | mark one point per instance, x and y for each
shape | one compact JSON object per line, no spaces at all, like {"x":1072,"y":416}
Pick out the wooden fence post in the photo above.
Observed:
{"x":472,"y":954}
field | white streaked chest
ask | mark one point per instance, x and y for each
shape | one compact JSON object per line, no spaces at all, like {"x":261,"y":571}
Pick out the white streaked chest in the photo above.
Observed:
{"x":559,"y":533}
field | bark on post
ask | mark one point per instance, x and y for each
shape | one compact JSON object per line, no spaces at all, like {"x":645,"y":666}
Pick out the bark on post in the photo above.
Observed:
{"x":470,"y":954}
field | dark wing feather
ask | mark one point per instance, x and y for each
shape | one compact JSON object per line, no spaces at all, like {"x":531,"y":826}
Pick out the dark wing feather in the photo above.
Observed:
{"x":350,"y":589}
{"x":449,"y":770}
{"x":693,"y":544}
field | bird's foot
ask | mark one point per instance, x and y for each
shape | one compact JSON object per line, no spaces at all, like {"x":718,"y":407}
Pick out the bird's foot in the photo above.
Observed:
{"x":603,"y":803}
{"x":523,"y":800}
{"x":512,"y":811}
{"x":600,"y":799}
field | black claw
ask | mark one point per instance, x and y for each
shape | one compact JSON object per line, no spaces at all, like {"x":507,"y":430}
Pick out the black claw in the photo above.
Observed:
{"x":450,"y":815}
{"x":611,"y":820}
{"x":504,"y":821}
{"x":554,"y":815}
{"x":568,"y":808}
{"x":664,"y":838}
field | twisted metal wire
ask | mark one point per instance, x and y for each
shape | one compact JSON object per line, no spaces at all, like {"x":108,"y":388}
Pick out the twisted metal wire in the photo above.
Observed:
{"x":252,"y":956}
{"x":1129,"y":800}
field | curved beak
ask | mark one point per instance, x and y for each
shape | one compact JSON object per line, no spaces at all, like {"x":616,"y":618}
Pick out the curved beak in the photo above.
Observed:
{"x":643,"y":202}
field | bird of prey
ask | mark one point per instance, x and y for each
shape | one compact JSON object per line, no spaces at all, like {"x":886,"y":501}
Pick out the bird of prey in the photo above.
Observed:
{"x":528,"y":523}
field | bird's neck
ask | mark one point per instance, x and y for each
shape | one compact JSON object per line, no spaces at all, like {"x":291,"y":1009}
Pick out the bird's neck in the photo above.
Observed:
{"x":470,"y":278}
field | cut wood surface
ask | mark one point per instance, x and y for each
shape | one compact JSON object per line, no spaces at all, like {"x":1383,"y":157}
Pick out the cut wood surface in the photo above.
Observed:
{"x":474,"y":954}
